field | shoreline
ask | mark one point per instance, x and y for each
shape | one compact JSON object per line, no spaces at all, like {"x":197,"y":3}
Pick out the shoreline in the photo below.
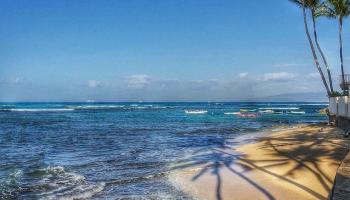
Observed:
{"x":299,"y":162}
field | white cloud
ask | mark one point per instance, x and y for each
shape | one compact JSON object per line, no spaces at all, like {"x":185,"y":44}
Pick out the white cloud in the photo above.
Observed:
{"x":148,"y":88}
{"x":287,"y":65}
{"x":138,"y":81}
{"x":313,"y":76}
{"x":94,"y":83}
{"x":278,"y":76}
{"x":243,"y":74}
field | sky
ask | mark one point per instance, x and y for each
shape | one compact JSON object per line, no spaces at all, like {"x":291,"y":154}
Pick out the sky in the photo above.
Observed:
{"x":156,"y":50}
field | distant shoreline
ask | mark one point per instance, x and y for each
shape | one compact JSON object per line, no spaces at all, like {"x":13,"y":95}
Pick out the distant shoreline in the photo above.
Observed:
{"x":96,"y":102}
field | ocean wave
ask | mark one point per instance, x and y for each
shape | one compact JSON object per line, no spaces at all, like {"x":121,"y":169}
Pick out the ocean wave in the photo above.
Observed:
{"x":139,"y":107}
{"x":160,"y":107}
{"x":49,"y":170}
{"x":57,"y":183}
{"x":280,"y":108}
{"x":96,"y":107}
{"x":37,"y":109}
{"x":10,"y":186}
{"x":6,"y":105}
{"x":78,"y":192}
{"x":147,"y":107}
{"x":83,"y":107}
{"x":136,"y":179}
{"x":315,"y":104}
{"x":196,"y":111}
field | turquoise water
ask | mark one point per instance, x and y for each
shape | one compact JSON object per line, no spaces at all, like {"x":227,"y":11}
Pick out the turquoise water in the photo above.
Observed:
{"x":120,"y":150}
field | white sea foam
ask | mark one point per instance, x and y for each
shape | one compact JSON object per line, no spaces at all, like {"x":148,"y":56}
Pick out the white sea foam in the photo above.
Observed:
{"x":16,"y":173}
{"x":57,"y":169}
{"x":13,"y":177}
{"x":155,"y":106}
{"x":140,"y":107}
{"x":315,"y":104}
{"x":196,"y":111}
{"x":38,"y":109}
{"x":87,"y":107}
{"x":147,"y":107}
{"x":66,"y":185}
{"x":78,"y":192}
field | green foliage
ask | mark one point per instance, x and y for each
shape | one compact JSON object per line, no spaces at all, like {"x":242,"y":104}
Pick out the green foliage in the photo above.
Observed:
{"x":327,"y":8}
{"x":336,"y":8}
{"x":336,"y":94}
{"x":308,"y":3}
{"x":332,"y":9}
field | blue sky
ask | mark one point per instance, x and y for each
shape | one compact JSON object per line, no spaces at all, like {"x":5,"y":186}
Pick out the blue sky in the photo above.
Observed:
{"x":156,"y":50}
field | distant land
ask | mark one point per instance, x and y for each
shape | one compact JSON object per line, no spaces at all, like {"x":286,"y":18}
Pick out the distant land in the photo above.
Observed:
{"x":293,"y":97}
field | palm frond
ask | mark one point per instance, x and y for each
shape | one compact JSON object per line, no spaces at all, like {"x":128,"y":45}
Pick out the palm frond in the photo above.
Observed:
{"x":308,"y":3}
{"x":300,"y":3}
{"x":338,"y":8}
{"x":325,"y":10}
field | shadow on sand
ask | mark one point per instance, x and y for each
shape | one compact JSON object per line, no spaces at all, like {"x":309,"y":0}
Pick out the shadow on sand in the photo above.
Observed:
{"x":301,"y":151}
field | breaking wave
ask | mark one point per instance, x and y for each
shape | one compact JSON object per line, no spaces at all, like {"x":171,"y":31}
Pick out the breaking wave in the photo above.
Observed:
{"x":56,"y":183}
{"x":280,"y":108}
{"x":82,"y":107}
{"x":96,"y":107}
{"x":37,"y":109}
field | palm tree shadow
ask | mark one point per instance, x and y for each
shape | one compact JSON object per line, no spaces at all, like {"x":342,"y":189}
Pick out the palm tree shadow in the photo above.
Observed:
{"x":215,"y":160}
{"x":304,"y":150}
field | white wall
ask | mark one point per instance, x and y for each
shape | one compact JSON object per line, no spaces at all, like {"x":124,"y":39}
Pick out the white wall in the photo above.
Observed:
{"x":343,"y":106}
{"x":333,"y":105}
{"x":339,"y":106}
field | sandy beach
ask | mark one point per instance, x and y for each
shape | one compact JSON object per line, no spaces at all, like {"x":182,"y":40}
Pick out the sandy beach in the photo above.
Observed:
{"x":295,"y":163}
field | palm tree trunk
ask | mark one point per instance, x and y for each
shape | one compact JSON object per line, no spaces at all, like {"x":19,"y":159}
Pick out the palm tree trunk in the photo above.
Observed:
{"x":341,"y":53}
{"x":313,"y":51}
{"x":322,"y":54}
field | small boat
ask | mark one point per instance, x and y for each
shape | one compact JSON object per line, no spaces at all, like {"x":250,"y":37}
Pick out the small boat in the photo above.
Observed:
{"x":196,"y":111}
{"x":232,"y":113}
{"x":247,"y":115}
{"x":298,"y":112}
{"x":267,"y":111}
{"x":243,"y":110}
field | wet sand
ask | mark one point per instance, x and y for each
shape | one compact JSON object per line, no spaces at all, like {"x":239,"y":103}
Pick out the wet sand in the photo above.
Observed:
{"x":296,"y":163}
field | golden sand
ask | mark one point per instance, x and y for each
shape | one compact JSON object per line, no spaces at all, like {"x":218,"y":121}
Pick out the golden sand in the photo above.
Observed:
{"x":296,"y":163}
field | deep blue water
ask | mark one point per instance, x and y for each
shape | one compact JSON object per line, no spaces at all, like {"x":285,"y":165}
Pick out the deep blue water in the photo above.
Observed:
{"x":119,"y":150}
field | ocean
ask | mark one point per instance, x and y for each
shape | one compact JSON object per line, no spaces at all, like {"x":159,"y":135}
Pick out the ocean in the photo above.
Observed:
{"x":122,"y":150}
